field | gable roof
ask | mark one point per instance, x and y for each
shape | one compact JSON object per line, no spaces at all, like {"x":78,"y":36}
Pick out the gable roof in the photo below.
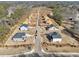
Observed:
{"x":19,"y":35}
{"x":55,"y":35}
{"x":50,"y":26}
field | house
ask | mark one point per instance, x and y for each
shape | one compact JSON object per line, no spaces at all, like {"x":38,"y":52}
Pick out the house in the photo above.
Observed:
{"x":23,"y":27}
{"x":51,"y":27}
{"x":54,"y":37}
{"x":20,"y":36}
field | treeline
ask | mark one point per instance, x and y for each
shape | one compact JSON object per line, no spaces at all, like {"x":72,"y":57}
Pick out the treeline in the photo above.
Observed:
{"x":57,"y":13}
{"x":3,"y":9}
{"x":7,"y":22}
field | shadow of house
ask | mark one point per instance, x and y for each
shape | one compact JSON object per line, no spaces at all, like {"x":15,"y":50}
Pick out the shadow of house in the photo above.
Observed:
{"x":49,"y":37}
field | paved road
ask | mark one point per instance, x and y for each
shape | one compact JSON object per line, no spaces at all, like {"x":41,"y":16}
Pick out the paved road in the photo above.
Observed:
{"x":38,"y":37}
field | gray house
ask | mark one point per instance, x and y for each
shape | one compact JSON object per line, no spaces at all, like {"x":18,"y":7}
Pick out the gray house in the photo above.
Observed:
{"x":20,"y":36}
{"x":54,"y":37}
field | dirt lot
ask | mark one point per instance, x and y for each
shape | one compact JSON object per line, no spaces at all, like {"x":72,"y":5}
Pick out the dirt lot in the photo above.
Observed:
{"x":61,"y":49}
{"x":18,"y":50}
{"x":66,"y":39}
{"x":15,"y":50}
{"x":29,"y":40}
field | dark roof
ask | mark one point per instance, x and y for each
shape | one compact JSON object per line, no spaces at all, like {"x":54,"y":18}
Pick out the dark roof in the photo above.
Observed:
{"x":49,"y":26}
{"x":25,"y":25}
{"x":19,"y":35}
{"x":54,"y":35}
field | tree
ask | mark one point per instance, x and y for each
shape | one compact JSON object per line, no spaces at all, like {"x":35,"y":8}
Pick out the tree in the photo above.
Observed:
{"x":57,"y":14}
{"x":3,"y":10}
{"x":17,"y":14}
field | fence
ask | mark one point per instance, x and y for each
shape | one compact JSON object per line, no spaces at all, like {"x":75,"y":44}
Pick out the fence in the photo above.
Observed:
{"x":59,"y":45}
{"x":15,"y":46}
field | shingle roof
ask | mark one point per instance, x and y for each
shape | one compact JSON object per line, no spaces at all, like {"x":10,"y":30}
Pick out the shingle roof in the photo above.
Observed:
{"x":55,"y":35}
{"x":19,"y":35}
{"x":49,"y":26}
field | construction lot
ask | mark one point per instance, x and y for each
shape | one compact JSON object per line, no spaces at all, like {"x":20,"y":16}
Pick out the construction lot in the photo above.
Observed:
{"x":68,"y":43}
{"x":38,"y":39}
{"x":15,"y":49}
{"x":12,"y":47}
{"x":29,"y":40}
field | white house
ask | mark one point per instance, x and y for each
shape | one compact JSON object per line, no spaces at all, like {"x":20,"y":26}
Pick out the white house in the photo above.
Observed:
{"x":54,"y":37}
{"x":57,"y":39}
{"x":51,"y":27}
{"x":23,"y":27}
